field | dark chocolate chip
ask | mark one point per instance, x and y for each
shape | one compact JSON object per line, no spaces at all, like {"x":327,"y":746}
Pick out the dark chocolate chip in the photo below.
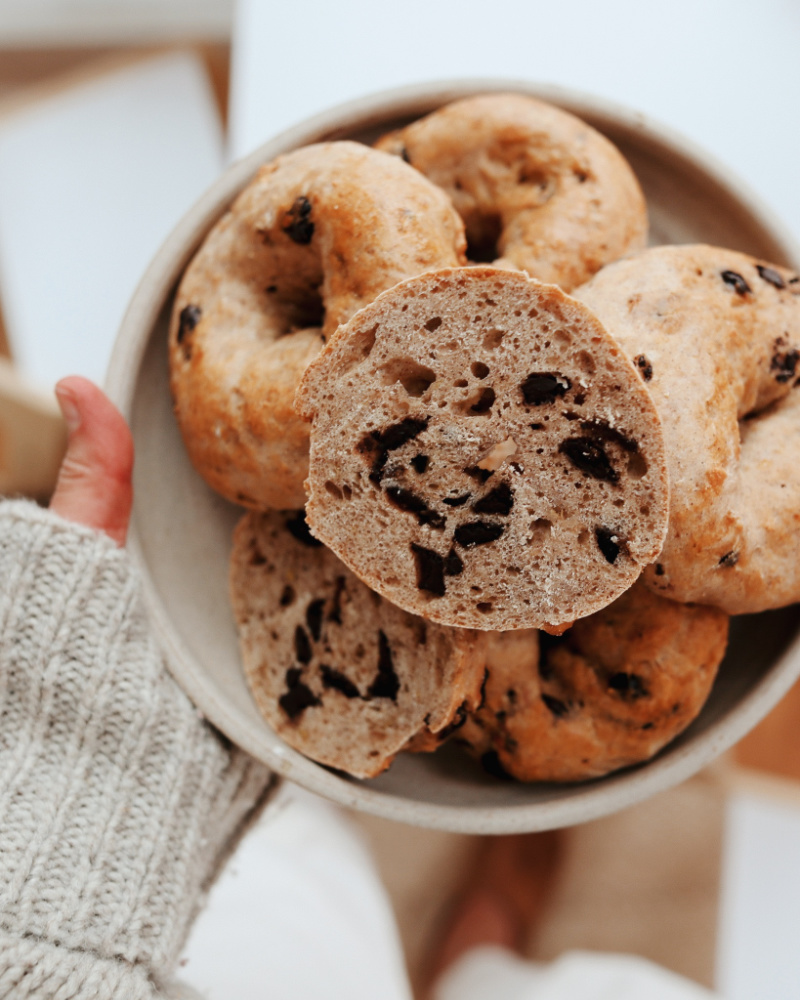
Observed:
{"x":771,"y":276}
{"x":338,"y":681}
{"x":420,"y":463}
{"x":659,"y":569}
{"x":298,"y":528}
{"x":490,"y":762}
{"x":298,"y":696}
{"x":784,"y":362}
{"x":430,"y":570}
{"x":188,"y":320}
{"x":271,"y":289}
{"x":474,"y":472}
{"x":408,"y":501}
{"x":387,"y":683}
{"x":511,"y":694}
{"x":729,"y":559}
{"x":287,"y":596}
{"x":648,"y":725}
{"x":629,"y":686}
{"x":738,"y":283}
{"x":580,"y":399}
{"x":458,"y":501}
{"x":478,"y":533}
{"x":607,"y":544}
{"x":302,"y":646}
{"x":453,"y":566}
{"x":378,"y":444}
{"x":644,"y":366}
{"x":556,"y":706}
{"x":590,"y":457}
{"x":544,"y":387}
{"x":601,"y":430}
{"x":314,"y":618}
{"x":335,"y":614}
{"x":298,"y":225}
{"x":537,"y":427}
{"x":500,"y":500}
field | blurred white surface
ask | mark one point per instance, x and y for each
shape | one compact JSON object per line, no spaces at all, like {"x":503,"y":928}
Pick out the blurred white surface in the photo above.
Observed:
{"x":92,"y":179}
{"x":724,"y":73}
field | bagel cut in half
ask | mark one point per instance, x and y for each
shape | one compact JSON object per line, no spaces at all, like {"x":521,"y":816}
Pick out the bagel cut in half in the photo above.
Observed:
{"x":340,"y":674}
{"x":483,"y":454}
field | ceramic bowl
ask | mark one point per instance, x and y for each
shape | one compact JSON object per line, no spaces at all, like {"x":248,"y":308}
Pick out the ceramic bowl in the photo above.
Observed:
{"x":181,"y":530}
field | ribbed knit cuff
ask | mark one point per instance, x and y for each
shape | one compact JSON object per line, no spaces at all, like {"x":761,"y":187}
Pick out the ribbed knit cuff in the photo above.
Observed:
{"x":117,"y":801}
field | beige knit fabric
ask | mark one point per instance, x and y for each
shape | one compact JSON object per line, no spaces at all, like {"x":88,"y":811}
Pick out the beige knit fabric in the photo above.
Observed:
{"x":118,"y":803}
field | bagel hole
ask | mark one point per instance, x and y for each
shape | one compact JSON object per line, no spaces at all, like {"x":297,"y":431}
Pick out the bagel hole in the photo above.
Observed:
{"x":483,"y":235}
{"x":415,"y":378}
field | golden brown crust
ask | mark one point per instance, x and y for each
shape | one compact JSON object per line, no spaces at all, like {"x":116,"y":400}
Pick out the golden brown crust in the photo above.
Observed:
{"x":555,"y":196}
{"x":716,"y":334}
{"x":316,"y":235}
{"x":611,"y":692}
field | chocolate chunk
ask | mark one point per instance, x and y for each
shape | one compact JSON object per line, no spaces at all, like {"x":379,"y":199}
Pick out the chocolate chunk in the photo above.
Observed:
{"x":659,"y":569}
{"x":314,"y":618}
{"x":298,"y":225}
{"x":729,"y":559}
{"x":556,"y":706}
{"x":335,"y":614}
{"x":458,"y":501}
{"x":544,"y":387}
{"x":287,"y":596}
{"x":537,"y":427}
{"x":644,"y":366}
{"x":580,"y":398}
{"x":188,"y":320}
{"x":475,"y":472}
{"x":601,"y":430}
{"x":430,"y":570}
{"x":298,"y":696}
{"x":608,"y":543}
{"x":500,"y":500}
{"x":784,"y":361}
{"x":490,"y":762}
{"x":271,"y":289}
{"x":378,"y":444}
{"x":630,"y":686}
{"x":478,"y":533}
{"x":298,"y":528}
{"x":387,"y":683}
{"x":420,"y":463}
{"x":648,"y":725}
{"x":738,"y":283}
{"x":453,"y":566}
{"x":771,"y":276}
{"x":338,"y":681}
{"x":408,"y":501}
{"x":302,"y":647}
{"x":589,"y":456}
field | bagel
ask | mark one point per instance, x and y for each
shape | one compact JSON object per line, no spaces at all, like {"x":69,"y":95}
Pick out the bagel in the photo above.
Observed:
{"x":342,"y":675}
{"x":610,"y":692}
{"x":536,"y":187}
{"x":482,"y":452}
{"x":716,"y":336}
{"x":317,"y":234}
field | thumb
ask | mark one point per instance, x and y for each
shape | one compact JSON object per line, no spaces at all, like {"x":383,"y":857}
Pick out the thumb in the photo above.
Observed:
{"x":94,"y":482}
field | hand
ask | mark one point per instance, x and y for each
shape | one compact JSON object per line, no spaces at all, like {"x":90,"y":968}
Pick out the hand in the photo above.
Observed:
{"x":94,"y":483}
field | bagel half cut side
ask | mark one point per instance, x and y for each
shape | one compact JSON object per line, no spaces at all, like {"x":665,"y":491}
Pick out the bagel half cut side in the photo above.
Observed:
{"x":716,"y":335}
{"x":316,"y":235}
{"x":537,"y":188}
{"x":483,"y":454}
{"x":340,"y":674}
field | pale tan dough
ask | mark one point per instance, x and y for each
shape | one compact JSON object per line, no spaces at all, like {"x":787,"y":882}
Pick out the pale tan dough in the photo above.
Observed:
{"x":340,"y":674}
{"x":716,"y":336}
{"x":536,"y":187}
{"x":482,"y":452}
{"x":317,"y":234}
{"x":611,"y":692}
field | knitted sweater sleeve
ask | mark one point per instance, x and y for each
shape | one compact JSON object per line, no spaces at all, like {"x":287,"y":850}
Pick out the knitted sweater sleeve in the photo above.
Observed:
{"x":118,"y":803}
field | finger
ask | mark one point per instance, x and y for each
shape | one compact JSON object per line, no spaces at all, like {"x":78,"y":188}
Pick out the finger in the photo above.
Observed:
{"x":94,"y":483}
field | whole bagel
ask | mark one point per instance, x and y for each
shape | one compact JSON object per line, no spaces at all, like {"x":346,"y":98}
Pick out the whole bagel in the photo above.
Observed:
{"x":319,"y":233}
{"x":610,"y":692}
{"x":716,"y":336}
{"x":536,"y":187}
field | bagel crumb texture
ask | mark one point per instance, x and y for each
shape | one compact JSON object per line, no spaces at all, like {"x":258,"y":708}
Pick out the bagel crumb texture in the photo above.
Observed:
{"x":545,"y":491}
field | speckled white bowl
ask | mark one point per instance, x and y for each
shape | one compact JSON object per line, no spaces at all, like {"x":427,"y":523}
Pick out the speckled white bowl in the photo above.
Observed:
{"x":181,"y":531}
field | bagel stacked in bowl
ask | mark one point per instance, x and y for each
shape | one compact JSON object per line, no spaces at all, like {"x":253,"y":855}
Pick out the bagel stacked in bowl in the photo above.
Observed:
{"x":495,"y":452}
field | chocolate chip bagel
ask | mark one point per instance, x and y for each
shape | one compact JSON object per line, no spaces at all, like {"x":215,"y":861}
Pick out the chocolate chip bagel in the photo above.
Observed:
{"x":316,"y":235}
{"x":715,"y":335}
{"x":536,"y":187}
{"x":610,"y":692}
{"x":483,"y":454}
{"x":342,"y":675}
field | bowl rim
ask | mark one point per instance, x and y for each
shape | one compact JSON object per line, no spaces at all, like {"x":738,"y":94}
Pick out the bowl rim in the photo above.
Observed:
{"x":595,"y":798}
